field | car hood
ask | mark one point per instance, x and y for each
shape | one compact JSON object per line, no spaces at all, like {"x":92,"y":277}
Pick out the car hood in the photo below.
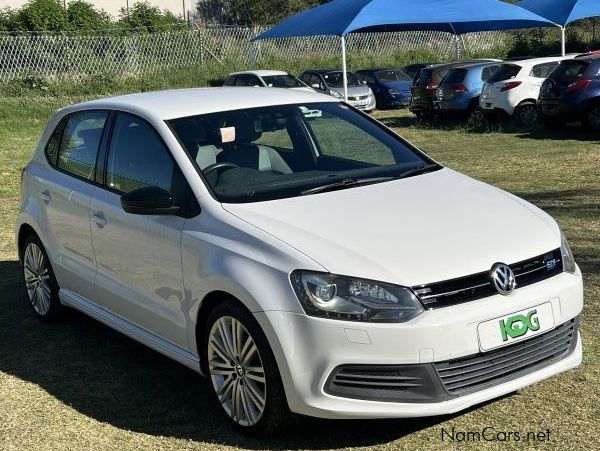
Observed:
{"x":399,"y":85}
{"x":413,"y":231}
{"x":354,"y":91}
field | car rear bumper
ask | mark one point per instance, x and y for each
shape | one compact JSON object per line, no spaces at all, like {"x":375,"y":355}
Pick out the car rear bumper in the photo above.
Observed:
{"x":560,"y":109}
{"x":310,"y":351}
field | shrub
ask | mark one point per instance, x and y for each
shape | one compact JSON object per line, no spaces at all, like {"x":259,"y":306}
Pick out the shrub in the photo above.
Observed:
{"x":82,"y":16}
{"x":144,"y":17}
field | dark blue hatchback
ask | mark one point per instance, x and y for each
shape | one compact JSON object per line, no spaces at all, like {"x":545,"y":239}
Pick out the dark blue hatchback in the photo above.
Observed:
{"x":572,"y":92}
{"x":392,"y":87}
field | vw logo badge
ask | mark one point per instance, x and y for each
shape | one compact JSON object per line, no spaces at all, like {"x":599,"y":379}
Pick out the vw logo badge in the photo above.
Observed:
{"x":503,"y":279}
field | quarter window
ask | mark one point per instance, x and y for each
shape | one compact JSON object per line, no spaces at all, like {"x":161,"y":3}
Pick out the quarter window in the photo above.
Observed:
{"x":543,"y":70}
{"x":80,"y":142}
{"x":138,"y":158}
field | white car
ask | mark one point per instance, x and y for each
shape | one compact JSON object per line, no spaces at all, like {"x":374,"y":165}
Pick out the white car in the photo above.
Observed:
{"x":515,"y":87}
{"x":266,"y":79}
{"x":308,"y":263}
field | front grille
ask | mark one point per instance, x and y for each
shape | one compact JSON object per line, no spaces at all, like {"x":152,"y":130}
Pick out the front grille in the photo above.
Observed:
{"x":382,"y":382}
{"x":355,"y":98}
{"x":478,"y":286}
{"x":469,"y":374}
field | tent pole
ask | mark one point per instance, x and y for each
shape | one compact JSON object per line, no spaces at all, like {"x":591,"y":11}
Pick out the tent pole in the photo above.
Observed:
{"x":564,"y":40}
{"x":344,"y":68}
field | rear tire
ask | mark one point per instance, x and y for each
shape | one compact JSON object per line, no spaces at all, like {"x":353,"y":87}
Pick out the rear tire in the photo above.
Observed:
{"x":527,"y":114}
{"x":41,"y":287}
{"x":244,"y":376}
{"x":592,"y":118}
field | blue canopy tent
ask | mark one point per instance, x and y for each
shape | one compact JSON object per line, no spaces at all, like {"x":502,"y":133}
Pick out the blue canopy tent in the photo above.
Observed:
{"x":341,"y":17}
{"x":563,"y":12}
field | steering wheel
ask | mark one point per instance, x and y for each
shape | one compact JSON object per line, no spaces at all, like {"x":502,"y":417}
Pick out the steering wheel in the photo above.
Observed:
{"x":217,"y":166}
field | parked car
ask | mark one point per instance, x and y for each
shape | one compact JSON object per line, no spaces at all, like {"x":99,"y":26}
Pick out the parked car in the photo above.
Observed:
{"x":412,"y":70}
{"x":572,"y":92}
{"x":265,"y":79}
{"x":309,"y":263}
{"x":427,"y":82}
{"x":392,"y":87}
{"x":515,"y":87}
{"x":460,"y":89}
{"x":331,"y":82}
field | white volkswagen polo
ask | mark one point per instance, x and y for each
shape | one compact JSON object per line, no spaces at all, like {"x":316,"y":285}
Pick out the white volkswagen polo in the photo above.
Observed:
{"x":298,"y":253}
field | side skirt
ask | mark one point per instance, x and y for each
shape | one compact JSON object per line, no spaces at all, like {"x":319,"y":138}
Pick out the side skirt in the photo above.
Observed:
{"x":70,"y":299}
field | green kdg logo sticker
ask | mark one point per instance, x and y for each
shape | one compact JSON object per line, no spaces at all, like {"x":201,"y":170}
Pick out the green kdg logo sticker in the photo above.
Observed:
{"x":518,"y":325}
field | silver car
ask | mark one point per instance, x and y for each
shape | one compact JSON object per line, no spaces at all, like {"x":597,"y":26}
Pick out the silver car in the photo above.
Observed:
{"x":332,"y":82}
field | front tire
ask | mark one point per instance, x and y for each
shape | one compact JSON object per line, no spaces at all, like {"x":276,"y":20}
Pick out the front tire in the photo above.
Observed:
{"x":243,"y":372}
{"x":41,"y":287}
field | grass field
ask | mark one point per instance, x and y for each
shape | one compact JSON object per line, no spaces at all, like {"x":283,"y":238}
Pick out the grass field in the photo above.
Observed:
{"x":79,"y":385}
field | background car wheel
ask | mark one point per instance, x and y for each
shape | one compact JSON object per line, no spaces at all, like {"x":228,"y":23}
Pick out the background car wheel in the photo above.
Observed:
{"x":475,"y":117}
{"x":527,"y":114}
{"x":243,"y":372}
{"x":41,"y":287}
{"x":592,"y":118}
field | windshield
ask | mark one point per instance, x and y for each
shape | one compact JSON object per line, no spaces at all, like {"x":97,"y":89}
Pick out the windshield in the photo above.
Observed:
{"x":392,"y":75}
{"x":505,"y":72}
{"x":282,"y":81}
{"x":284,"y":151}
{"x":335,"y":79}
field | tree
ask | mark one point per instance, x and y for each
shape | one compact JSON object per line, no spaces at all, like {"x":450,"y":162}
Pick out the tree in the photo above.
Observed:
{"x":82,"y":16}
{"x":251,"y":12}
{"x":40,"y":15}
{"x":143,"y":16}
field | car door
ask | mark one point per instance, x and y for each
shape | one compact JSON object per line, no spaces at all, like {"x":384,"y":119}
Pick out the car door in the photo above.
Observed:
{"x":139,"y":276}
{"x":66,"y":192}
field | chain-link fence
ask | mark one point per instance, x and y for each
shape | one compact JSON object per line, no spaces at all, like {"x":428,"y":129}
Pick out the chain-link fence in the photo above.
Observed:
{"x":77,"y":56}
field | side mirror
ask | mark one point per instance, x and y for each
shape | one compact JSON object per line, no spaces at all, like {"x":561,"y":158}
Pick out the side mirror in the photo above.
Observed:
{"x":150,"y":200}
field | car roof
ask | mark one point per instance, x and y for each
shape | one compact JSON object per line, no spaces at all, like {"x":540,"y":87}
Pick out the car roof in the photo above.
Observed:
{"x":260,"y":73}
{"x":165,"y":105}
{"x":535,"y":61}
{"x":325,"y":71}
{"x":590,"y":57}
{"x":379,"y":69}
{"x":476,"y":65}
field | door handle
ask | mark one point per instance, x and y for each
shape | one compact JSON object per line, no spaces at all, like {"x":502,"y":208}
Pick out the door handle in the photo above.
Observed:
{"x":100,"y":219}
{"x":46,"y":197}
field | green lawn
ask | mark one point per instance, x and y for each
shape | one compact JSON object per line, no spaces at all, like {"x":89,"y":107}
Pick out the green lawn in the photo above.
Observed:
{"x":79,"y":385}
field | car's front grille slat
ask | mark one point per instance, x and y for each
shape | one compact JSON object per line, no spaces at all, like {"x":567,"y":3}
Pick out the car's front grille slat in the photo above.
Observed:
{"x":468,"y":374}
{"x":479,"y":286}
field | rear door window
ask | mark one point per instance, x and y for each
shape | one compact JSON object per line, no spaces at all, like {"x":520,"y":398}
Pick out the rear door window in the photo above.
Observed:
{"x":543,"y":70}
{"x":505,"y":72}
{"x":423,"y":77}
{"x":80,"y":142}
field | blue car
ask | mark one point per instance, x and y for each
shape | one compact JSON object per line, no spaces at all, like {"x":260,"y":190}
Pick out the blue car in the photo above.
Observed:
{"x":392,"y":87}
{"x":461,"y":88}
{"x":572,"y":92}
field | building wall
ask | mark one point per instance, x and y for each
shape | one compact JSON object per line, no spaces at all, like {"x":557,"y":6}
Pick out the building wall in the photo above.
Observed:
{"x":113,"y":6}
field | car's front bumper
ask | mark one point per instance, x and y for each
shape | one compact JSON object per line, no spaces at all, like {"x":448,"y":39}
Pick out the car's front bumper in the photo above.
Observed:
{"x":309,"y":349}
{"x":364,"y":105}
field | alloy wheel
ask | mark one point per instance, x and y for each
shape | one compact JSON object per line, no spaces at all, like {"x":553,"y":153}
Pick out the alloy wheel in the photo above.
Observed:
{"x":594,"y":118}
{"x":528,"y":114}
{"x":237,"y":371}
{"x":37,"y":279}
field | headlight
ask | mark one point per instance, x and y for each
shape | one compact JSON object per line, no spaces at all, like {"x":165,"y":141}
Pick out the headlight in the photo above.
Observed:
{"x":353,"y":299}
{"x":567,"y":255}
{"x":335,"y":94}
{"x":393,"y":92}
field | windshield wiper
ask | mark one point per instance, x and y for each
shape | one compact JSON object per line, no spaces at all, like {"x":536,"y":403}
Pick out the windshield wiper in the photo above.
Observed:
{"x":346,"y":183}
{"x":418,"y":170}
